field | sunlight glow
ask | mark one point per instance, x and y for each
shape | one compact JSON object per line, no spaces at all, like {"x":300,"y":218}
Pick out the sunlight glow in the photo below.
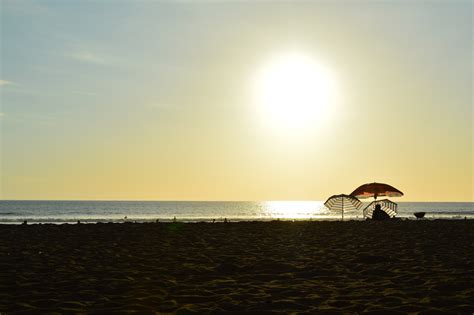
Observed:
{"x":294,"y":91}
{"x":294,"y":209}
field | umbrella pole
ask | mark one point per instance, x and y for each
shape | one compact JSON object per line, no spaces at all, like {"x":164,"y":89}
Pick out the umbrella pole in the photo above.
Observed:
{"x":342,"y":209}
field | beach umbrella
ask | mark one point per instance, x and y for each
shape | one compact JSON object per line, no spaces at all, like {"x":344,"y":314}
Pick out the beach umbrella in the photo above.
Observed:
{"x":386,"y":205}
{"x":376,"y":190}
{"x":343,"y":202}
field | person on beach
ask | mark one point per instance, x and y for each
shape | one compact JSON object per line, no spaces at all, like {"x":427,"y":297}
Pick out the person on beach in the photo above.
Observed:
{"x":379,"y":214}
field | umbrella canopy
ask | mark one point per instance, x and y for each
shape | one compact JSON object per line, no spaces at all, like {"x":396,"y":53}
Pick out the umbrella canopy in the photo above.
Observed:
{"x":343,"y":202}
{"x":386,"y":205}
{"x":376,"y":190}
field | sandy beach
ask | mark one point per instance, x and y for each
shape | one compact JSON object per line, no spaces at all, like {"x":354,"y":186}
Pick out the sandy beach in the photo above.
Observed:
{"x":305,"y":267}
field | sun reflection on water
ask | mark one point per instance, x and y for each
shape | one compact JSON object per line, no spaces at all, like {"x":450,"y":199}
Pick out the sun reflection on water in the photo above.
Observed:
{"x":294,"y":209}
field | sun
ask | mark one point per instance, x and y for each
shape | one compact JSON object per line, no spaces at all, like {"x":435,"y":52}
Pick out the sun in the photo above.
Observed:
{"x":294,"y":91}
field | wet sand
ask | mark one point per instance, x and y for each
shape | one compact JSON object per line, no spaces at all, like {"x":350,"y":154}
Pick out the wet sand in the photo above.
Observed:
{"x":305,"y":267}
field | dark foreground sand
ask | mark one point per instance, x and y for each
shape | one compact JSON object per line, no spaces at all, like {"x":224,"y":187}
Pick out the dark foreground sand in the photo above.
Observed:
{"x":312,"y":267}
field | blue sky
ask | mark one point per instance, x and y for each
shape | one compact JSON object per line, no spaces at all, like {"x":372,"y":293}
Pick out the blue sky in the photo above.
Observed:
{"x":126,"y":87}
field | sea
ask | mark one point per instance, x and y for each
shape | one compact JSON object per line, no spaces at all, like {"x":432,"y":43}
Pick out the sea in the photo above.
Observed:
{"x":18,"y":211}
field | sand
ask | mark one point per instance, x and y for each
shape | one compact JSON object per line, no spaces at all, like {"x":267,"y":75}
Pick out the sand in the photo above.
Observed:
{"x":304,"y":267}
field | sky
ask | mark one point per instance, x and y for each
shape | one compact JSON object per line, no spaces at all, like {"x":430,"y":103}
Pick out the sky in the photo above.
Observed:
{"x":156,"y":100}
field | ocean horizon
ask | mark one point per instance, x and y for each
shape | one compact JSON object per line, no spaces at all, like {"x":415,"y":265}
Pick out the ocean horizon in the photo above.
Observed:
{"x":93,"y":211}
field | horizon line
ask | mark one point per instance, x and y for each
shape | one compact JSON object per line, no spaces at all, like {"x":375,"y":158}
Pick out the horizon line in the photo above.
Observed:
{"x":182,"y":200}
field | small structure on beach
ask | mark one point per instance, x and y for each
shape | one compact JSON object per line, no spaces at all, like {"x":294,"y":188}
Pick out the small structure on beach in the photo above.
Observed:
{"x":419,"y":215}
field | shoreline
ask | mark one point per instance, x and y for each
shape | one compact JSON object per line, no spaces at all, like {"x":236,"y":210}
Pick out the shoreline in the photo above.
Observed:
{"x":31,"y":221}
{"x":395,"y":266}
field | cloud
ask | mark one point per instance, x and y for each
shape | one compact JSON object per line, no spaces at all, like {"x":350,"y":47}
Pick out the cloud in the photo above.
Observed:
{"x":89,"y":57}
{"x":5,"y":82}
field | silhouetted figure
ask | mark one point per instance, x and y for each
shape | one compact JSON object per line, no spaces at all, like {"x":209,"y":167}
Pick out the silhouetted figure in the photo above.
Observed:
{"x":25,"y":222}
{"x":213,"y":220}
{"x":379,"y":214}
{"x":174,"y":220}
{"x":157,"y":221}
{"x":78,"y":221}
{"x":225,"y":220}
